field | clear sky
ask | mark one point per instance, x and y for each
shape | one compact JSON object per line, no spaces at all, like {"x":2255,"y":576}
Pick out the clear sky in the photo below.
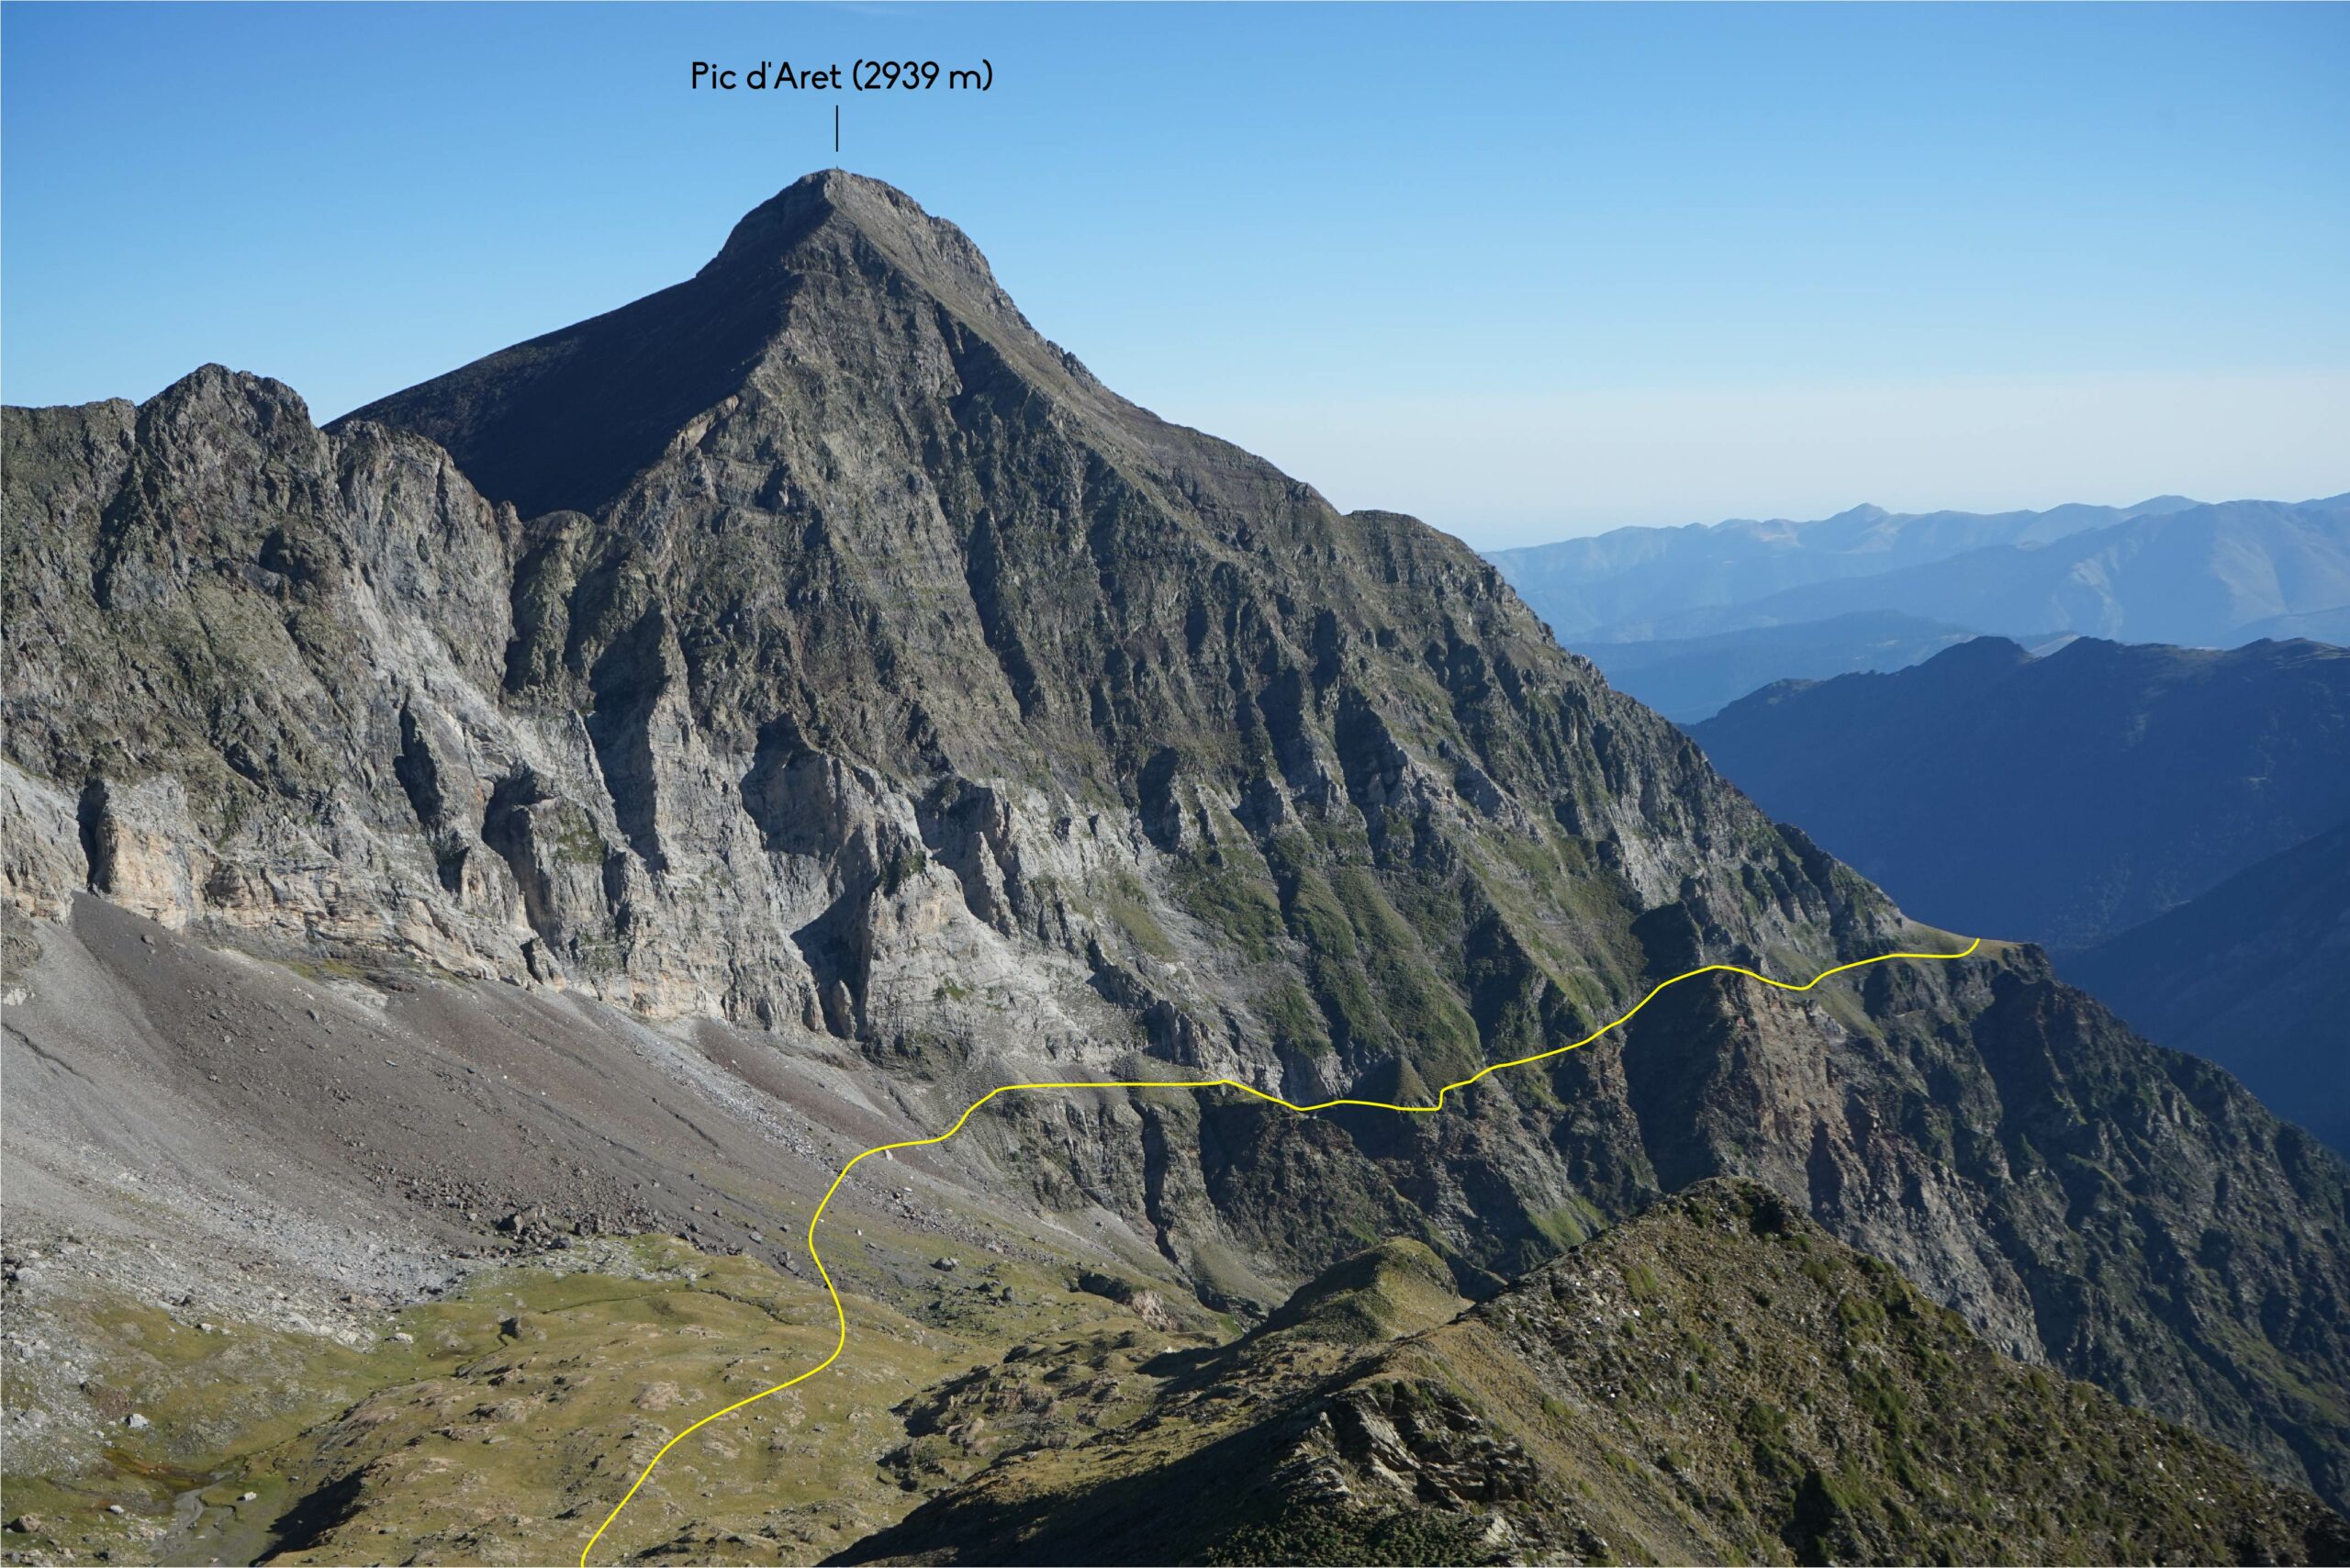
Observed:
{"x":1523,"y":272}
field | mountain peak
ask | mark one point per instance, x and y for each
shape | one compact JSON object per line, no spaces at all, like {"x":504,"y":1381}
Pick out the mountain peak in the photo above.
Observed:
{"x":835,"y":202}
{"x":833,"y":260}
{"x":788,"y":216}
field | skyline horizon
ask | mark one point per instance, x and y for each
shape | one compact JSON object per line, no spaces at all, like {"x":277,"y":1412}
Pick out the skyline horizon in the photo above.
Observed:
{"x":1582,"y":269}
{"x":1535,"y":538}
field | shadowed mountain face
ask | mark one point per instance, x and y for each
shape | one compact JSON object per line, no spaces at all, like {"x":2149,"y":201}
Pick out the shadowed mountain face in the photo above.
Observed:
{"x":812,"y":655}
{"x":2059,"y":800}
{"x":2253,"y":974}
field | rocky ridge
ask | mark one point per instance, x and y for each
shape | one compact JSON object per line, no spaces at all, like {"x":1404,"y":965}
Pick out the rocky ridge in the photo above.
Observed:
{"x":1641,"y":1399}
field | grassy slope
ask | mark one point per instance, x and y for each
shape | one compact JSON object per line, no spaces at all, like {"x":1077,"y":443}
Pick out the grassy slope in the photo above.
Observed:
{"x":1718,"y":1380}
{"x":518,"y":1410}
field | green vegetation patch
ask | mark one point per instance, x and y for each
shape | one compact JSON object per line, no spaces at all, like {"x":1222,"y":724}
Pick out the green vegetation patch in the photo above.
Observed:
{"x":1238,"y":903}
{"x":500,"y":1423}
{"x":1127,"y":908}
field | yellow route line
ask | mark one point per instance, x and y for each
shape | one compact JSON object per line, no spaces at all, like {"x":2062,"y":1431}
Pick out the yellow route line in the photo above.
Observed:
{"x":840,"y":1312}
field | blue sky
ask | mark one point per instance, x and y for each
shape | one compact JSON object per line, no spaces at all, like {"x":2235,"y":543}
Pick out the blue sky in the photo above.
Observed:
{"x":1524,"y":272}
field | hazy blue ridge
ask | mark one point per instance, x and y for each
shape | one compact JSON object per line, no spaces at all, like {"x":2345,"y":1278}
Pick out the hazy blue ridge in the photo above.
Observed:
{"x":2060,"y":800}
{"x":2167,"y":570}
{"x":1610,"y":585}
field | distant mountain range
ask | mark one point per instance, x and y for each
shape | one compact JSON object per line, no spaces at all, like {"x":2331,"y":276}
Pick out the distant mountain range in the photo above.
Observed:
{"x":2059,"y":800}
{"x":1754,"y":601}
{"x":2254,"y":974}
{"x":2166,"y":570}
{"x":1632,"y":584}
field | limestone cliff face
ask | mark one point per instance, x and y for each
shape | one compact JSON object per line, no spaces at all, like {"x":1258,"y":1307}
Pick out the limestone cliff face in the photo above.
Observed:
{"x":813,"y":645}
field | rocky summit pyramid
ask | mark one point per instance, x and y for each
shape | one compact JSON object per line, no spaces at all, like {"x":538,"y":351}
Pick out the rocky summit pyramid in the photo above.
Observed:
{"x":813,"y":660}
{"x":802,"y":309}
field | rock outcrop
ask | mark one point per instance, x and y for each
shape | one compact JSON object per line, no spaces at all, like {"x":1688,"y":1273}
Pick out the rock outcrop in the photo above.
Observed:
{"x":1716,"y":1382}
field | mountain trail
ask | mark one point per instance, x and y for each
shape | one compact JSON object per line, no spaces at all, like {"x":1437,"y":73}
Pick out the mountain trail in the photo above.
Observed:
{"x":841,"y":1313}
